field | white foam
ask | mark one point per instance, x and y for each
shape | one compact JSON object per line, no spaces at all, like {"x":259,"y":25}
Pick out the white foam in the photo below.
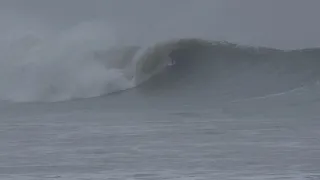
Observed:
{"x":37,"y":64}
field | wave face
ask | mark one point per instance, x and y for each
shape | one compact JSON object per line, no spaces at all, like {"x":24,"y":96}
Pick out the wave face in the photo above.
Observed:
{"x":215,"y":70}
{"x":85,"y":61}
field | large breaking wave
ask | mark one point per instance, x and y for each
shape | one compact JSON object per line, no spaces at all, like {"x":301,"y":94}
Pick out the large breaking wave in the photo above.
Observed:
{"x":213,"y":70}
{"x":86,"y":61}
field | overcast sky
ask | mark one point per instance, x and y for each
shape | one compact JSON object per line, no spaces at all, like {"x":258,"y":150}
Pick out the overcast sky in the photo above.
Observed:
{"x":276,"y":23}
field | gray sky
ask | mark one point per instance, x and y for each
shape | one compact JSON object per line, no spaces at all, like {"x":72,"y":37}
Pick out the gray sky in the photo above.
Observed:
{"x":276,"y":23}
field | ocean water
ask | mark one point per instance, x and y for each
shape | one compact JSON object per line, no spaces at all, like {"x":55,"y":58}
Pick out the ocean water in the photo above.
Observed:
{"x":77,"y":105}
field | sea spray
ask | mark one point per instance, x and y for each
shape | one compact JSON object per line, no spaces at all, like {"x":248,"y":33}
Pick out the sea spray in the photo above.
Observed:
{"x":42,"y":65}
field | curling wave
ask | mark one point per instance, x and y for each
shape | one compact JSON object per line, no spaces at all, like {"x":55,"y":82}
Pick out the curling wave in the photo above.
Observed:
{"x":204,"y":68}
{"x":85,"y":61}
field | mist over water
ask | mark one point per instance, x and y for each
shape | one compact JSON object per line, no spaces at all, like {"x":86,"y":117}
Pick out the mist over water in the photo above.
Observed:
{"x":41,"y":64}
{"x":53,"y":51}
{"x":43,"y":61}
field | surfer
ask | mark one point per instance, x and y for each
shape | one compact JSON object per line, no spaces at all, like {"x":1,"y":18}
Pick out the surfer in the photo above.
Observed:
{"x":172,"y":62}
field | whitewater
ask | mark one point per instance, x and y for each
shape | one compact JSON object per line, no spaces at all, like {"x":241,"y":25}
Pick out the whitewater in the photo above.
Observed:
{"x":80,"y":102}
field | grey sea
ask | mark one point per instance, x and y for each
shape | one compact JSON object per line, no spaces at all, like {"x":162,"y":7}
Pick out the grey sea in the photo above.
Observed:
{"x":222,"y":111}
